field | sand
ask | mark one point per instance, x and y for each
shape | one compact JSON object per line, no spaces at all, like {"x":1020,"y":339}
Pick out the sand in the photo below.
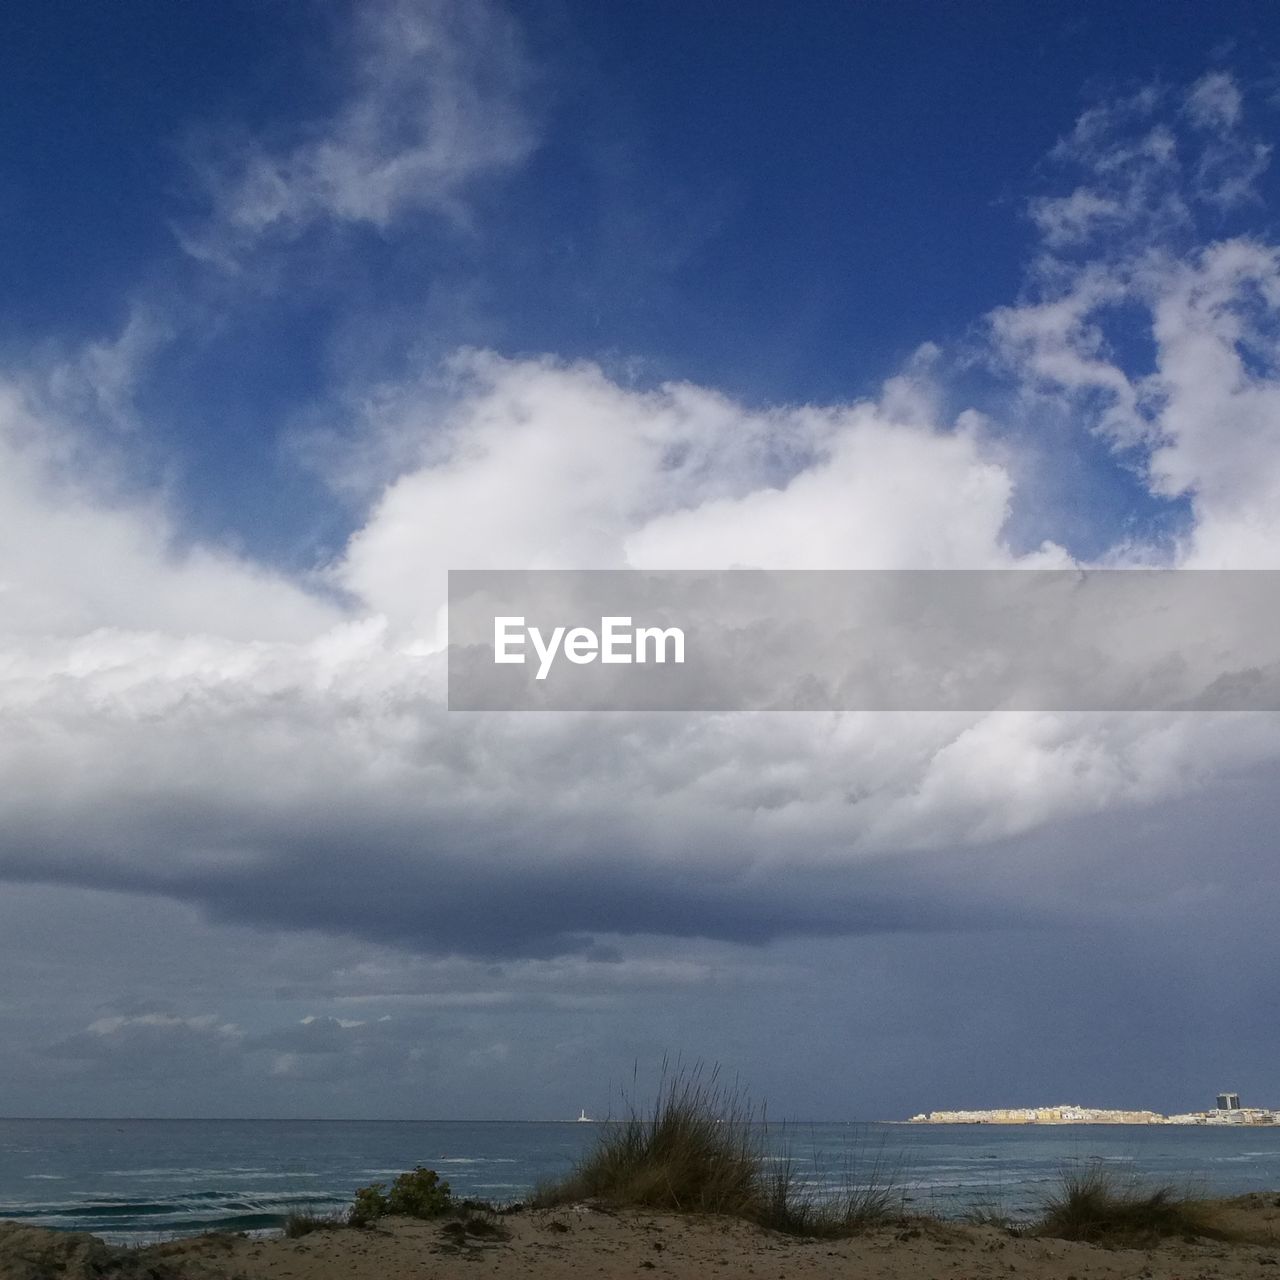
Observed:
{"x":582,"y":1241}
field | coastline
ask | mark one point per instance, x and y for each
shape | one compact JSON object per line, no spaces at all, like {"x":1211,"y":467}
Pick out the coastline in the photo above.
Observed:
{"x":588,"y":1240}
{"x":160,"y":1180}
{"x":1072,"y":1113}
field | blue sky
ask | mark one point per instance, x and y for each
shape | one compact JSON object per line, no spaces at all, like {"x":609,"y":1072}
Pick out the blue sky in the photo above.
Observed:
{"x":781,"y":208}
{"x":303,"y":304}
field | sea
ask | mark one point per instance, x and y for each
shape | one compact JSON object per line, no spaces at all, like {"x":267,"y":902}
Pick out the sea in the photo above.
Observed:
{"x":134,"y":1181}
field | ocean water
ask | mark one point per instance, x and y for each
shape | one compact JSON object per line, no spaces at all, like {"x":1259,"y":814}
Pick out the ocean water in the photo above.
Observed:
{"x":134,"y":1180}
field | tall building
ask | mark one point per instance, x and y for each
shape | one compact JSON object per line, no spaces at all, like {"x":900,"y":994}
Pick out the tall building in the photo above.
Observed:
{"x":1228,"y":1102}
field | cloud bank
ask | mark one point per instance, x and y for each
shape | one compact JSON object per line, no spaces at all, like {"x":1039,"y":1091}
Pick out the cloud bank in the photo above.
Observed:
{"x":179,"y":722}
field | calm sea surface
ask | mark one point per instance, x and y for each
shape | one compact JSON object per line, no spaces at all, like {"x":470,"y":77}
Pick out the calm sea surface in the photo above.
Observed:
{"x":130,"y":1180}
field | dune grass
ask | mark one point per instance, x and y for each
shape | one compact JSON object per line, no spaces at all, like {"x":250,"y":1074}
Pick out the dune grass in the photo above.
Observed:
{"x":700,"y":1150}
{"x":855,"y":1206}
{"x":1095,"y":1206}
{"x":992,"y":1215}
{"x":301,"y":1224}
{"x":703,"y":1148}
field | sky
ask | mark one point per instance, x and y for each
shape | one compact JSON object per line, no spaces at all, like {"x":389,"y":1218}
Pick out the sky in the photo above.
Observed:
{"x":304,"y":304}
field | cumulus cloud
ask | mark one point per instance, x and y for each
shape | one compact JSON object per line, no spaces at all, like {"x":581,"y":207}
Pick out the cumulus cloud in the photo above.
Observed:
{"x":183,"y":723}
{"x":317,"y":782}
{"x":79,"y":556}
{"x":1199,"y":419}
{"x":536,"y":464}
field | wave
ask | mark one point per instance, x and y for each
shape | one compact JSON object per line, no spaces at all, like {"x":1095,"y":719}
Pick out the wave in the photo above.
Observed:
{"x":229,"y":1171}
{"x":123,"y":1218}
{"x":925,"y":1183}
{"x":476,"y":1160}
{"x":398,"y":1169}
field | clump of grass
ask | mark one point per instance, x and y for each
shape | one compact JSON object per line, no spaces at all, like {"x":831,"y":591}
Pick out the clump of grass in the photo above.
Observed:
{"x":865,"y":1196}
{"x":1094,"y":1206}
{"x":473,"y":1228}
{"x":990,"y":1215}
{"x":297,"y":1225}
{"x":702,"y":1149}
{"x":697,"y":1151}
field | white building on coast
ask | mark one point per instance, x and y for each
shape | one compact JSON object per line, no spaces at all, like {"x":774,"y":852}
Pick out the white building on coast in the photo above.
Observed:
{"x":1228,"y":1111}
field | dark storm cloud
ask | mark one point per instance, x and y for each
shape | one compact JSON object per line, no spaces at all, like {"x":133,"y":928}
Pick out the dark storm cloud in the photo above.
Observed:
{"x":484,"y":892}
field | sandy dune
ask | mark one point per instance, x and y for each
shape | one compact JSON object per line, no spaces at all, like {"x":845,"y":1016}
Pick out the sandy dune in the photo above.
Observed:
{"x":582,"y":1241}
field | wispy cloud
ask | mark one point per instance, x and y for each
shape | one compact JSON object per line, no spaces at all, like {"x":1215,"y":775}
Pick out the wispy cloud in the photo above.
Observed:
{"x":1149,"y":165}
{"x":437,"y":98}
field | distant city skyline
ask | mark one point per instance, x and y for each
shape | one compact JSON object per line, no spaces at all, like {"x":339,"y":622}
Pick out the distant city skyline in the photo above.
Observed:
{"x":1227,"y":1110}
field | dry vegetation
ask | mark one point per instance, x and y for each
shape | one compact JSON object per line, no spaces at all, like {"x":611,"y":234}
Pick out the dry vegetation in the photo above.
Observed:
{"x":1094,"y":1206}
{"x":702,"y":1148}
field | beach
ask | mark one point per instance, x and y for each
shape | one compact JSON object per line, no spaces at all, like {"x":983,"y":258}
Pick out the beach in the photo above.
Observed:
{"x":582,"y":1240}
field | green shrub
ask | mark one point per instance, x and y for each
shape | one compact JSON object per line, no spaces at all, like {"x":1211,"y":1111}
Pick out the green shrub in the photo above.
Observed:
{"x":419,"y":1194}
{"x":369,"y":1205}
{"x":416,"y":1194}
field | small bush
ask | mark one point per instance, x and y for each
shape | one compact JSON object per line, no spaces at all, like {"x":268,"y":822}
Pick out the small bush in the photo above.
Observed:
{"x":416,"y":1194}
{"x":419,"y":1194}
{"x":1093,"y":1206}
{"x":369,"y":1205}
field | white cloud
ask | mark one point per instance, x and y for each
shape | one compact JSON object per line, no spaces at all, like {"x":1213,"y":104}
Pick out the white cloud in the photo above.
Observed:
{"x":541,"y":465}
{"x":99,"y":383}
{"x":1206,"y":413}
{"x":435,"y":100}
{"x":182,"y":722}
{"x":1214,"y":102}
{"x":204,"y":1023}
{"x":1230,"y":162}
{"x":1146,"y":178}
{"x":1202,"y":414}
{"x":311,"y":778}
{"x":1132,"y":168}
{"x":78,"y":554}
{"x":1067,"y":220}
